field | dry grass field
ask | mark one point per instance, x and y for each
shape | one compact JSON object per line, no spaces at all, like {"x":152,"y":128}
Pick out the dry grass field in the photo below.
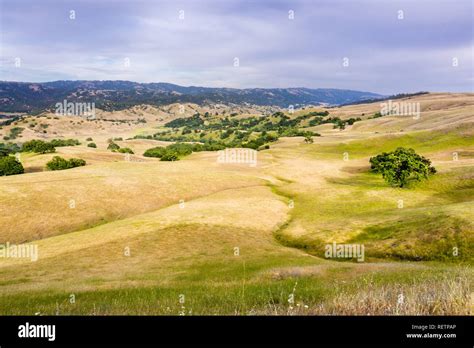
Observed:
{"x":140,"y":236}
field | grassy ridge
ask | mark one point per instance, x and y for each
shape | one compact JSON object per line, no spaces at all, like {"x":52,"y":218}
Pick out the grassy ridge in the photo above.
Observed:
{"x":421,"y":142}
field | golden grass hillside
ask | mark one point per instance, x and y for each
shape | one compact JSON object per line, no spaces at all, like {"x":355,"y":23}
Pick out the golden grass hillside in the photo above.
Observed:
{"x":240,"y":240}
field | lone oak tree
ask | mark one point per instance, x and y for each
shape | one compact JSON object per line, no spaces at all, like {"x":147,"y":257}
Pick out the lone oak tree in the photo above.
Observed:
{"x":401,"y":165}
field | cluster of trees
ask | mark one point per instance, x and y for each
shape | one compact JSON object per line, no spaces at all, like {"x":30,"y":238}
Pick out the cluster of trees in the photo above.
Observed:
{"x":9,"y":148}
{"x":64,"y":142}
{"x":174,"y":152}
{"x":239,"y":138}
{"x":276,"y":122}
{"x":9,"y":121}
{"x":14,"y":133}
{"x":294,"y":132}
{"x":402,"y":165}
{"x":341,"y":124}
{"x":40,"y":146}
{"x":163,"y":153}
{"x":10,"y":166}
{"x":114,"y":147}
{"x":194,"y":121}
{"x":59,"y":163}
{"x":236,"y":138}
{"x":125,"y":150}
{"x":376,"y":115}
{"x":336,"y":121}
{"x":218,"y":133}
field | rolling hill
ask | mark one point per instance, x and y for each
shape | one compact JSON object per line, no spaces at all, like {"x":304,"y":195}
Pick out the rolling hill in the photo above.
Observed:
{"x":241,"y":240}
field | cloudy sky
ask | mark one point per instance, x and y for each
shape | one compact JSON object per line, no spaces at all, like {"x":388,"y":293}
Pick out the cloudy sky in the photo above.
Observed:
{"x":370,"y":45}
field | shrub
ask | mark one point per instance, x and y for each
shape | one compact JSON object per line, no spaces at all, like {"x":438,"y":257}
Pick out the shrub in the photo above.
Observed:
{"x":92,"y":145}
{"x":15,"y":132}
{"x":125,"y":150}
{"x":76,"y":162}
{"x":38,"y":146}
{"x":10,"y":166}
{"x":155,"y":152}
{"x":401,"y":165}
{"x":10,"y":148}
{"x":89,"y":139}
{"x":180,"y":149}
{"x":64,"y":142}
{"x":113,"y":146}
{"x":170,"y":156}
{"x":59,"y":163}
{"x":192,"y":122}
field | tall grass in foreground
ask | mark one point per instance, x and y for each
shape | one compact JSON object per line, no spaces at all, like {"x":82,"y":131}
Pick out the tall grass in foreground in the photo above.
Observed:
{"x":440,"y":296}
{"x":429,"y":293}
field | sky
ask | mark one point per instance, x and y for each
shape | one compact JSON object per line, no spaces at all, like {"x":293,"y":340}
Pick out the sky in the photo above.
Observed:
{"x":379,"y":46}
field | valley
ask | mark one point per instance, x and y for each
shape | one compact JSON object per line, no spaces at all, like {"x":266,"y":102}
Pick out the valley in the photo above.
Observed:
{"x":135,"y":235}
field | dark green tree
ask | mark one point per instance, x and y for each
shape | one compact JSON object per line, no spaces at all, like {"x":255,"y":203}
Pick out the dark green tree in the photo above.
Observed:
{"x":10,"y":166}
{"x":126,"y":150}
{"x":38,"y":146}
{"x":170,"y":156}
{"x":401,"y":166}
{"x":113,"y":146}
{"x":59,"y":163}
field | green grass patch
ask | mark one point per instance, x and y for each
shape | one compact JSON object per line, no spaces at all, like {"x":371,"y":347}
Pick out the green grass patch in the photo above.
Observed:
{"x":422,"y":142}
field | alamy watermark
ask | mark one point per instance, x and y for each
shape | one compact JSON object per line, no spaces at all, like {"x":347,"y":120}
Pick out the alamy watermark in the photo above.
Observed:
{"x":14,"y":251}
{"x":400,"y":109}
{"x":66,"y":108}
{"x":344,"y":251}
{"x":37,"y":331}
{"x":239,"y":155}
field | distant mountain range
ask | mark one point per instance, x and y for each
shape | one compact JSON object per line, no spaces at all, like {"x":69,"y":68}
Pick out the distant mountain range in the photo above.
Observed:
{"x":117,"y":95}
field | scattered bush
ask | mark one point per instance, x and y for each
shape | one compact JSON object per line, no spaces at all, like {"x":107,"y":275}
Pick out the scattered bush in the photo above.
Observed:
{"x":155,"y":152}
{"x":15,"y":132}
{"x":38,"y":146}
{"x":180,"y":149}
{"x":169,"y":156}
{"x":113,"y":147}
{"x":125,"y":150}
{"x":64,"y":142}
{"x":92,"y":145}
{"x":59,"y":163}
{"x":10,"y":148}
